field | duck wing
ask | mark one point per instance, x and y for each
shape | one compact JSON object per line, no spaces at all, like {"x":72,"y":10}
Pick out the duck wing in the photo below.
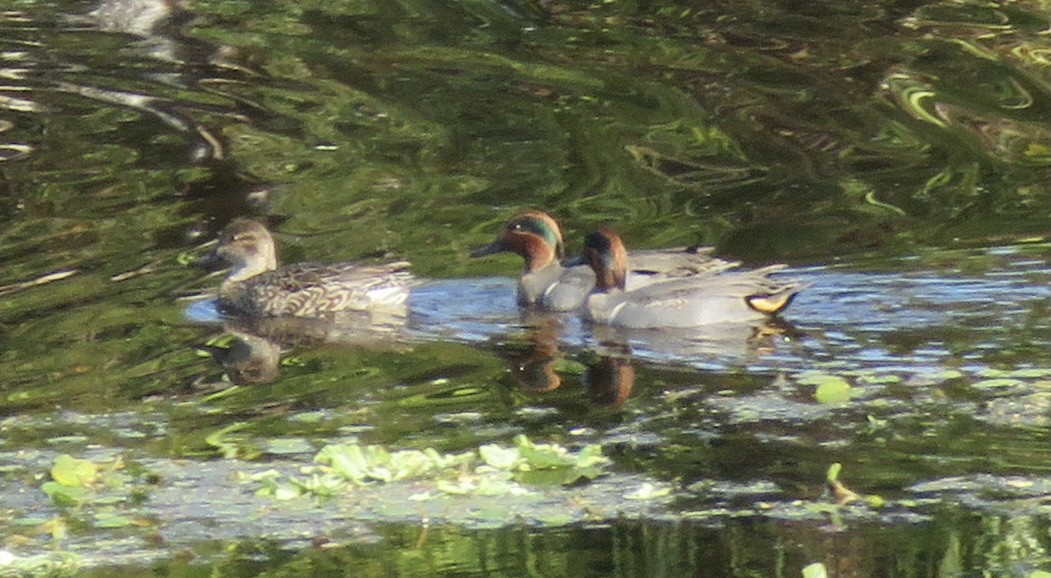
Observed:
{"x":706,"y":299}
{"x":676,"y":262}
{"x":314,"y":289}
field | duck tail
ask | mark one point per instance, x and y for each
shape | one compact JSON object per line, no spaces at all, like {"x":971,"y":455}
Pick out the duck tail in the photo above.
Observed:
{"x":776,"y":300}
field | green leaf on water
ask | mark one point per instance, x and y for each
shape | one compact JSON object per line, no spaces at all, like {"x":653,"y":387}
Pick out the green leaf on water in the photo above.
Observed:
{"x":64,"y":495}
{"x":830,"y":388}
{"x":111,"y":520}
{"x":815,"y":570}
{"x":568,"y":366}
{"x":454,"y":488}
{"x":493,"y":464}
{"x":231,"y":445}
{"x":548,"y":476}
{"x":998,"y":383}
{"x":875,"y":423}
{"x":288,"y":446}
{"x":550,"y":519}
{"x":29,"y":521}
{"x":541,"y":456}
{"x":499,"y":457}
{"x":875,"y":501}
{"x":833,"y":473}
{"x":1028,"y":372}
{"x":880,"y":379}
{"x":363,"y":465}
{"x":70,"y":471}
{"x":346,"y":460}
{"x":287,"y":491}
{"x":591,"y":456}
{"x":1040,"y":151}
{"x":497,"y":486}
{"x":648,"y":491}
{"x":946,"y":374}
{"x":307,"y":417}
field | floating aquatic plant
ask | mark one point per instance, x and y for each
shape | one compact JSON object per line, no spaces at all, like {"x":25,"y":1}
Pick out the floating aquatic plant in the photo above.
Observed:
{"x":844,"y":495}
{"x":75,"y":481}
{"x":491,"y":470}
{"x":79,"y":484}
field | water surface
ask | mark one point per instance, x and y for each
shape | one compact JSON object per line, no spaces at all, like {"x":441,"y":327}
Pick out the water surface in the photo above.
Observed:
{"x":895,"y":155}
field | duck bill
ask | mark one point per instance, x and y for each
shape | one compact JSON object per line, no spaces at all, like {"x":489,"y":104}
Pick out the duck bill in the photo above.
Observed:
{"x":497,"y":246}
{"x":211,"y":262}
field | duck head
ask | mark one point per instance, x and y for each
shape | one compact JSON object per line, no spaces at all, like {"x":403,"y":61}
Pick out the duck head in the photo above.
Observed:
{"x":534,"y":235}
{"x":248,"y":247}
{"x":604,"y":251}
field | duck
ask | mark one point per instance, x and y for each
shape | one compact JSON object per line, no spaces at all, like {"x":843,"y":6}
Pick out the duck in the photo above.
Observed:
{"x":551,"y":282}
{"x":257,"y":288}
{"x":737,"y":296}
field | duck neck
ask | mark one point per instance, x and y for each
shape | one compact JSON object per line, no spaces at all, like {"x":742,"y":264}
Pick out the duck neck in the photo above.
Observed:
{"x":538,"y":254}
{"x":252,"y":261}
{"x":249,"y":270}
{"x":610,"y":270}
{"x":231,"y":290}
{"x":607,"y":280}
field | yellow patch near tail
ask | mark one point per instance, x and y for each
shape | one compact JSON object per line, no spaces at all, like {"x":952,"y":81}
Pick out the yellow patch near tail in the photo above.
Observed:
{"x":770,"y":304}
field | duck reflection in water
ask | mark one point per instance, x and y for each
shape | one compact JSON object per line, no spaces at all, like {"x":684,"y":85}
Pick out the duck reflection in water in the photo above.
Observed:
{"x":538,"y":363}
{"x":721,"y":344}
{"x":610,"y":381}
{"x":249,"y":359}
{"x":535,"y":366}
{"x":254,"y":354}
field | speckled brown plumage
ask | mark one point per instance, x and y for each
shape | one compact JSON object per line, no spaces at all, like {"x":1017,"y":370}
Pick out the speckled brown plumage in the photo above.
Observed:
{"x":257,"y":288}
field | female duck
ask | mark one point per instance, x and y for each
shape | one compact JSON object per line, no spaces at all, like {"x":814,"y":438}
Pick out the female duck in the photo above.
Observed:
{"x":550,"y":284}
{"x":725,"y":297}
{"x":257,"y":288}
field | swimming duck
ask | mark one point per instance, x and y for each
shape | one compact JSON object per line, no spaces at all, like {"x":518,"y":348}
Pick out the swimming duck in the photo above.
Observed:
{"x":550,"y":283}
{"x":723,"y":297}
{"x":258,"y":288}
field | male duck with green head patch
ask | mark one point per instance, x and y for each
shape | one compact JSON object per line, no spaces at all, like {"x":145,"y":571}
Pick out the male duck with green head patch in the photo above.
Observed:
{"x":741,"y":296}
{"x":548,"y":282}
